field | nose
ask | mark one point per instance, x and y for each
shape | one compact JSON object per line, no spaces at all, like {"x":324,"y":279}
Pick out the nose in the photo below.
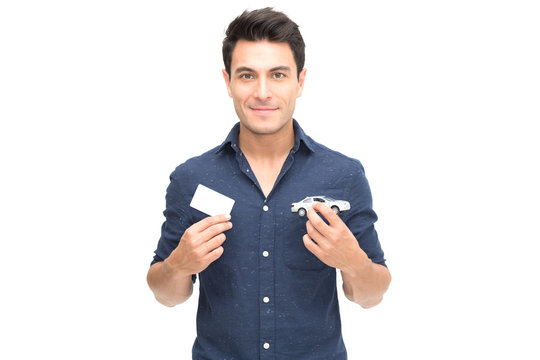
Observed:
{"x":263,"y":90}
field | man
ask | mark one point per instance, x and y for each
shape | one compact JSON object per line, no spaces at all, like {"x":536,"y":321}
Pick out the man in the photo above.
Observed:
{"x":268,"y":282}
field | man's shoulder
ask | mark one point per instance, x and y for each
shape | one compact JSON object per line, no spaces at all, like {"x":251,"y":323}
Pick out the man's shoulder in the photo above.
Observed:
{"x":196,"y":164}
{"x":334,"y":159}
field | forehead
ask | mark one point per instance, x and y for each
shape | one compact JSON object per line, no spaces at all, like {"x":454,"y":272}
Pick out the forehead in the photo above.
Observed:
{"x":262,"y":55}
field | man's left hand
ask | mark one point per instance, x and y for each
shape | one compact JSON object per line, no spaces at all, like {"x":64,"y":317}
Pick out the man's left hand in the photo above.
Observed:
{"x":333,"y":243}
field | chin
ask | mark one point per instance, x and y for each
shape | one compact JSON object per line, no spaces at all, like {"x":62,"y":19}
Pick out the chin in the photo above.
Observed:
{"x":264,"y":126}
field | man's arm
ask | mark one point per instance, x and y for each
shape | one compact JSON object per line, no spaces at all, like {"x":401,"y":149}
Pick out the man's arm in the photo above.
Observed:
{"x":364,"y":282}
{"x":170,"y":289}
{"x":170,"y":280}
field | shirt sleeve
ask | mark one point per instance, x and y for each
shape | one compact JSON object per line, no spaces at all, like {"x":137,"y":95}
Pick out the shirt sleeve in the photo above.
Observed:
{"x":177,"y":214}
{"x":361,"y":218}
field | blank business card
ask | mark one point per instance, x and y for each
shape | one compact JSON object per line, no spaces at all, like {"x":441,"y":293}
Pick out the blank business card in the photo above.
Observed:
{"x":211,"y":202}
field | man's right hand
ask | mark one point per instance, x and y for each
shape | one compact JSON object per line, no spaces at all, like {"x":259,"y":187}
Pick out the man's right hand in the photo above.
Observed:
{"x":199,"y":246}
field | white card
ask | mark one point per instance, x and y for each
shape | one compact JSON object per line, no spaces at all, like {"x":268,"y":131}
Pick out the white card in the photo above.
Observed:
{"x":211,"y":202}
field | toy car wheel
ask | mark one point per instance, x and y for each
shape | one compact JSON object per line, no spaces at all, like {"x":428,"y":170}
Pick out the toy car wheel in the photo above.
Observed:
{"x":336,"y":209}
{"x":302,"y":212}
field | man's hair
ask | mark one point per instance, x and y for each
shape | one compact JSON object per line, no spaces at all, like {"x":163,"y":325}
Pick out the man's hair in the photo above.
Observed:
{"x":264,"y":24}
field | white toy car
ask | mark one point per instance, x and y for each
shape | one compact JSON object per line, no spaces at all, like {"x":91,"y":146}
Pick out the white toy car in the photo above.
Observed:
{"x":303,"y":206}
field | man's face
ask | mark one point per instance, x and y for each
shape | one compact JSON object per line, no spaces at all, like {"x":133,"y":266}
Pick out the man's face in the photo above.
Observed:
{"x":263,"y":85}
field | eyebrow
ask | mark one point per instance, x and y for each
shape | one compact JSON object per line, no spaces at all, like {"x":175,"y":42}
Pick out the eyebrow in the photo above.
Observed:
{"x":280,"y":68}
{"x":248,"y":69}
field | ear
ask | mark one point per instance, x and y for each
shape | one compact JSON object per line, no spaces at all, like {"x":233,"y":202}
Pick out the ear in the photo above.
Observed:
{"x":301,"y":80}
{"x":227,"y":81}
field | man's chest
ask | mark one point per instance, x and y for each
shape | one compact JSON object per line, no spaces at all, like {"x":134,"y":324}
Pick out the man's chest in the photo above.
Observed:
{"x":270,"y":225}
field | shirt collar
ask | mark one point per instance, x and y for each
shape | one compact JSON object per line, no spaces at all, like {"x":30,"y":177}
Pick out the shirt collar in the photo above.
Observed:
{"x":299,"y":137}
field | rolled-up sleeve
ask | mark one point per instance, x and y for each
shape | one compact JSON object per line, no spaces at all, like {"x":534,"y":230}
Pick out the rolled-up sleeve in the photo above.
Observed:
{"x":177,"y":214}
{"x":361,"y":218}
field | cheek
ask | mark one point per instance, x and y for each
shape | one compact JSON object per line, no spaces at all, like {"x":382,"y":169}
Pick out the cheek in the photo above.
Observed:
{"x":292,"y":102}
{"x":237,"y":106}
{"x":235,"y":97}
{"x":292,"y":94}
{"x":239,"y":94}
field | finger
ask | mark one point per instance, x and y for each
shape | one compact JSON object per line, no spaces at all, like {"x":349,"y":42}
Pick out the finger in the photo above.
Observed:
{"x":312,"y":246}
{"x":314,"y":234}
{"x":318,"y":223}
{"x":214,"y":230}
{"x":214,"y":254}
{"x":213,"y":243}
{"x":328,"y":214}
{"x":205,"y":223}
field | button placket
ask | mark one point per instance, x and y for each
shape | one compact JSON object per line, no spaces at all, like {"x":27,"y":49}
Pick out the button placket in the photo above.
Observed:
{"x":266,"y":280}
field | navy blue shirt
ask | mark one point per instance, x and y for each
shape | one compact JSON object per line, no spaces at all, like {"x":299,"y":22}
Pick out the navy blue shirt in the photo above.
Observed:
{"x":267,"y":296}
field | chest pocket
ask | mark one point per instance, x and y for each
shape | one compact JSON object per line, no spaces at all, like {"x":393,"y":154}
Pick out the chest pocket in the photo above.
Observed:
{"x":296,"y":256}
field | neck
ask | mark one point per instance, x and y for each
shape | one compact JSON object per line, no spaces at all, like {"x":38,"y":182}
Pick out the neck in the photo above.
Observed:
{"x":266,"y":146}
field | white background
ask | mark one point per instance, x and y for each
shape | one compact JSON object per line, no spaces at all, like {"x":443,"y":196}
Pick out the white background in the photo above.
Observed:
{"x":101,"y":100}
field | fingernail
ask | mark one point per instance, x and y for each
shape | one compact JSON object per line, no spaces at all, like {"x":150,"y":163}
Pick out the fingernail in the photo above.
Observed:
{"x":227,"y":216}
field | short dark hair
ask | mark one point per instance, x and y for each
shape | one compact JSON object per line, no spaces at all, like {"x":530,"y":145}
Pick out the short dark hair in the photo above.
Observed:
{"x":264,"y":24}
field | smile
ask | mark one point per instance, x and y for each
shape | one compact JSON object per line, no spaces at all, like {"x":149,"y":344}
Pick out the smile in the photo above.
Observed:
{"x":263,"y":110}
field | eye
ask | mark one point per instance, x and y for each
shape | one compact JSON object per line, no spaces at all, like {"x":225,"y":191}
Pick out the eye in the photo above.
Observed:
{"x":278,"y":75}
{"x":246,"y":76}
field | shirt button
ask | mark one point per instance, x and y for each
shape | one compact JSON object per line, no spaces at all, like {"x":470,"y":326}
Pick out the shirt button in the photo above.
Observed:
{"x":265,"y":253}
{"x":266,"y":299}
{"x":265,"y":207}
{"x":266,"y":346}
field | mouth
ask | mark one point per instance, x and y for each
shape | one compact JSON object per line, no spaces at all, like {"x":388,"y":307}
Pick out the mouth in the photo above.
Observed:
{"x":263,"y":110}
